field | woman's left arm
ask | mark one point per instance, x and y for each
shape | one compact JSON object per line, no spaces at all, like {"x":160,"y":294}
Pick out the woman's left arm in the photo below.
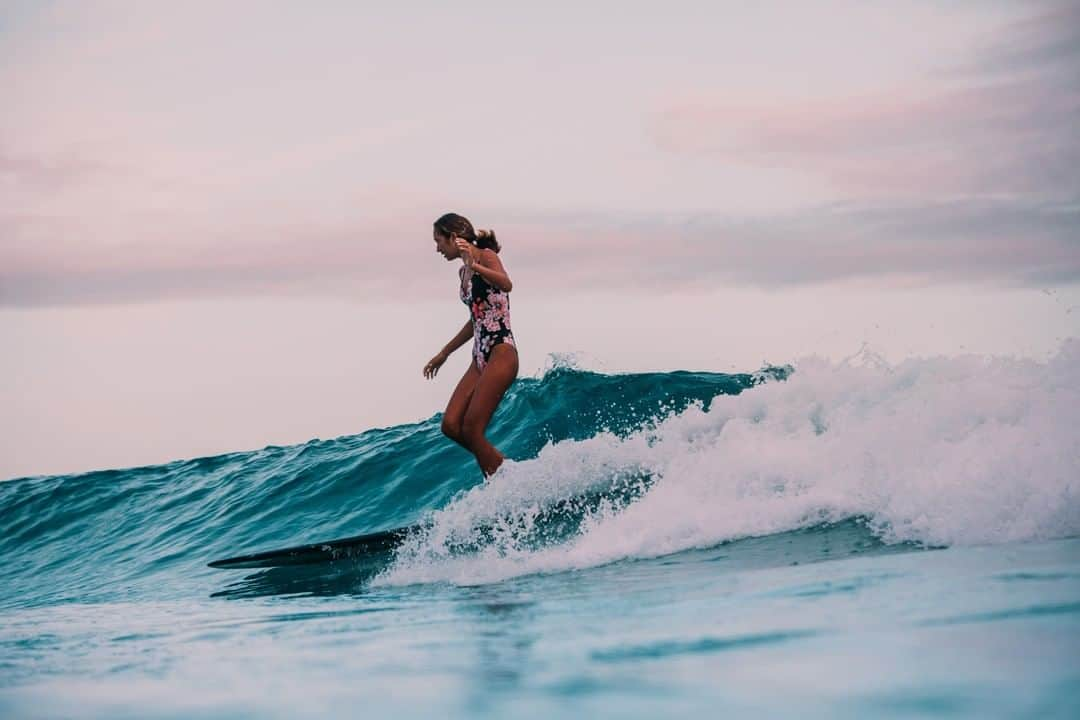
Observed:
{"x":491,"y":269}
{"x":487,"y":265}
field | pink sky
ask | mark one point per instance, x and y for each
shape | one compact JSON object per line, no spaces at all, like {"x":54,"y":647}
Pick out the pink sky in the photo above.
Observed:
{"x":184,"y":161}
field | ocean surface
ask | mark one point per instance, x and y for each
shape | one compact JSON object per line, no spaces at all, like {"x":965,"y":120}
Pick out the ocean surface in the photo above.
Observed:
{"x":852,"y":539}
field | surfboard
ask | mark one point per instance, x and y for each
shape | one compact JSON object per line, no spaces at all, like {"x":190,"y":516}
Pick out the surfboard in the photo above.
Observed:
{"x":374,"y":545}
{"x":321,"y":552}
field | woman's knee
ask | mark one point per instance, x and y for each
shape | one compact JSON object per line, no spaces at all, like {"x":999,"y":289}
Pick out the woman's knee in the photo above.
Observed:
{"x":452,"y":429}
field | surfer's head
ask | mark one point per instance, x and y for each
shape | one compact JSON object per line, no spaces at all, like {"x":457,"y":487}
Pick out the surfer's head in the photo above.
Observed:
{"x":451,"y":226}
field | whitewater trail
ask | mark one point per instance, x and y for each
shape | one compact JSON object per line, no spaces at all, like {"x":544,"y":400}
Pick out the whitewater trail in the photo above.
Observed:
{"x":937,"y":452}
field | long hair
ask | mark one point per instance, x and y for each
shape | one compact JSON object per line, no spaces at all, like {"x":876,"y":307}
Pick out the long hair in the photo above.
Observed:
{"x":454,"y":224}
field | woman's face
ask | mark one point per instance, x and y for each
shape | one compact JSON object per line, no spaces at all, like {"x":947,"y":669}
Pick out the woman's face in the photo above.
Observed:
{"x":445,"y":246}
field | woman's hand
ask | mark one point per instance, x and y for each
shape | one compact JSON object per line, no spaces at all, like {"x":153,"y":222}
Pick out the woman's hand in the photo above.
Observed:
{"x":432,"y":368}
{"x":469,"y":254}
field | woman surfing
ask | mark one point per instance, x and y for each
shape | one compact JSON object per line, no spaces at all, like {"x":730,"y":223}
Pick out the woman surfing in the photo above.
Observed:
{"x":485,"y":290}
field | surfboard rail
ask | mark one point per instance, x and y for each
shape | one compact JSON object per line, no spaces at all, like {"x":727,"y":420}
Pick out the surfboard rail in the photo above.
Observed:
{"x":356,"y":546}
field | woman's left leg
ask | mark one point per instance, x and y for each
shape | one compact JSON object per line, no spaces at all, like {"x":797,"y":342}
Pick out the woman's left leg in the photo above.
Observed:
{"x":498,"y":374}
{"x":454,"y":415}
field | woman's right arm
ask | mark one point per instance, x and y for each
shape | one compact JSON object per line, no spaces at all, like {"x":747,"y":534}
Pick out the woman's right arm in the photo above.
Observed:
{"x":432,"y":368}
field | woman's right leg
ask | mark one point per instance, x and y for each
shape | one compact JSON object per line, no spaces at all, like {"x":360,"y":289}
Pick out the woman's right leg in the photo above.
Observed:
{"x":454,"y":416}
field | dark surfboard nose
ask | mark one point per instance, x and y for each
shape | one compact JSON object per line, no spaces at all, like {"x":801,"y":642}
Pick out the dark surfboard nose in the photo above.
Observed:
{"x":329,"y":551}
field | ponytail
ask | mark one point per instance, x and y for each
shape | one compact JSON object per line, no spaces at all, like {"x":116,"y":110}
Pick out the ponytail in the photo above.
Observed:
{"x":486,"y":239}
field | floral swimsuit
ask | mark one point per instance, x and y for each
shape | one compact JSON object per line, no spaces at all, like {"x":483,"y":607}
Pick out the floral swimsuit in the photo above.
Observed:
{"x":490,"y":310}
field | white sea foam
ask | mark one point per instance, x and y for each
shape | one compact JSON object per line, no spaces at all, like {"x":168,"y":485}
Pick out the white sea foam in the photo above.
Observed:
{"x":940,"y":451}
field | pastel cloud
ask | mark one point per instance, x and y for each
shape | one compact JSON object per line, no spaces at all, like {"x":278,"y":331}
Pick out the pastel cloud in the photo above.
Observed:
{"x":1005,"y":125}
{"x":976,"y":241}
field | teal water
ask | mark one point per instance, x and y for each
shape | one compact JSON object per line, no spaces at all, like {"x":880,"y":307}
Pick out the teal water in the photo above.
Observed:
{"x":850,"y":540}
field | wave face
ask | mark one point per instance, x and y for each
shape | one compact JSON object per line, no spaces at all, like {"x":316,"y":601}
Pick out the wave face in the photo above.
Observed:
{"x":935,"y":452}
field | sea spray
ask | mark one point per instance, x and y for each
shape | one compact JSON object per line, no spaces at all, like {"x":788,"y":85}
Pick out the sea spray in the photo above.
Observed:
{"x":939,"y":451}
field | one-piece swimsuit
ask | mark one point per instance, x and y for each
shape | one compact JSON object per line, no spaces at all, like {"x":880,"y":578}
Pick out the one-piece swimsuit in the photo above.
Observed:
{"x":489,"y":309}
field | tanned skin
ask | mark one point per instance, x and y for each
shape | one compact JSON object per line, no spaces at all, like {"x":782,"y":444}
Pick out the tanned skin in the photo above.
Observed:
{"x":477,"y":394}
